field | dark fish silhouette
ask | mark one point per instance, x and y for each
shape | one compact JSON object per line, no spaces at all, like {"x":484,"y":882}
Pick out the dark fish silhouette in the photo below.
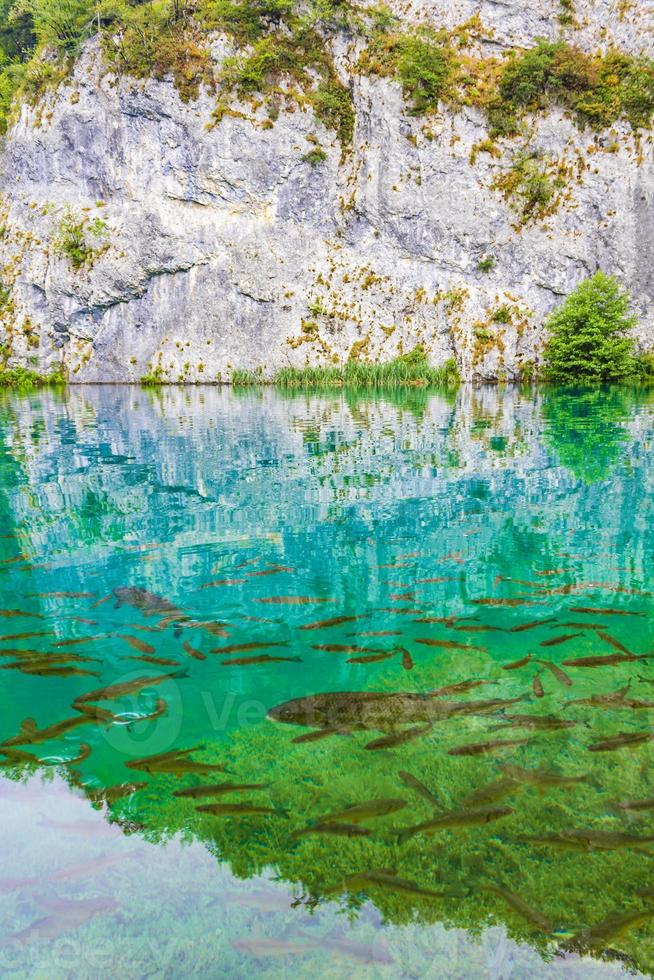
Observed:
{"x":146,"y":602}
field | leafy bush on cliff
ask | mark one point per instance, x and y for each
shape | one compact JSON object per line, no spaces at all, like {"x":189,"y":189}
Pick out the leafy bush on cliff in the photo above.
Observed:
{"x":589,"y":334}
{"x":598,"y":89}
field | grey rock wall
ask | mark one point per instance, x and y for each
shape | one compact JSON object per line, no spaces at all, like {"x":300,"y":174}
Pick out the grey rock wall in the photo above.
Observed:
{"x":225,"y":249}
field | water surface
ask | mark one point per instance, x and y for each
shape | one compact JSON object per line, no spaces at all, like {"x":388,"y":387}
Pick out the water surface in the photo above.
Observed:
{"x":203,"y":527}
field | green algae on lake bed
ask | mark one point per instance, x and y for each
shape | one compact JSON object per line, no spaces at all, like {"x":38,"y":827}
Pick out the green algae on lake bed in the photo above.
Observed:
{"x":335,"y":525}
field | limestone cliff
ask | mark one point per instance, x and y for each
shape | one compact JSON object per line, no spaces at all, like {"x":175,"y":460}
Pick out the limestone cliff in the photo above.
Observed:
{"x":222,"y":243}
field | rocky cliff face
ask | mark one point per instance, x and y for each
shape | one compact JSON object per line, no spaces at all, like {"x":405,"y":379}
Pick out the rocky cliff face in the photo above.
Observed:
{"x":219,"y":246}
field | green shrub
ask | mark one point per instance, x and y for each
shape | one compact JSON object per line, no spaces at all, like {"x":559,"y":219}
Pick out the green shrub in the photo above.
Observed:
{"x":424,"y":69}
{"x":70,"y":240}
{"x":487,"y":264}
{"x":332,"y":104}
{"x":25,"y":380}
{"x":598,"y":89}
{"x":501,"y":315}
{"x":588,"y":334}
{"x":422,"y":64}
{"x":529,"y":186}
{"x":315,"y":156}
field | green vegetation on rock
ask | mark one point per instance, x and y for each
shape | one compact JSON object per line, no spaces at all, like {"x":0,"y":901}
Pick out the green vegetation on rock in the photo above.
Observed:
{"x":589,"y":335}
{"x":280,"y":47}
{"x":24,"y":380}
{"x":407,"y":370}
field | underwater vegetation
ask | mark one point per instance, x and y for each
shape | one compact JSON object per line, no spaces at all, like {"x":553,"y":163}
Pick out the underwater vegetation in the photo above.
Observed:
{"x":436,"y":705}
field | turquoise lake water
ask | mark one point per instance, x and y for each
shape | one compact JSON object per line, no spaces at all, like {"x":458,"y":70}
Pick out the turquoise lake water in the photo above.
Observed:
{"x":428,"y":573}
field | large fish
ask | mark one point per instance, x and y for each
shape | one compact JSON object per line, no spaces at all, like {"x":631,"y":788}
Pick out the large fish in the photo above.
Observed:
{"x":380,"y":711}
{"x":146,"y":602}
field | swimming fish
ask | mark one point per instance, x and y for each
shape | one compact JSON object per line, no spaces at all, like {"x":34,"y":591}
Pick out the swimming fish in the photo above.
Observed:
{"x":503,"y":602}
{"x":560,"y":675}
{"x":29,"y":734}
{"x":253,"y":645}
{"x":326,"y":623}
{"x":516,"y":664}
{"x":456,"y":818}
{"x":634,"y":806}
{"x":146,"y":602}
{"x":363,"y":880}
{"x":294,"y":600}
{"x":346,"y":648}
{"x":491,"y":792}
{"x":480,"y":748}
{"x":263,"y":658}
{"x":111,"y":794}
{"x":24,"y":636}
{"x":66,"y":914}
{"x":608,"y":661}
{"x":373,"y":632}
{"x":413,"y":783}
{"x":620,"y":741}
{"x":398,"y":738}
{"x":175,"y":762}
{"x":162,"y":661}
{"x":334,"y":830}
{"x":602,"y":700}
{"x":459,"y":687}
{"x":217,"y":789}
{"x":367,"y":810}
{"x":137,"y":644}
{"x":234,"y":809}
{"x":64,"y":595}
{"x":540,"y":777}
{"x":223,"y":581}
{"x":608,"y":929}
{"x":518,"y":904}
{"x":611,"y":640}
{"x":588,"y":840}
{"x":372,"y":658}
{"x":522,"y":627}
{"x":12,"y":613}
{"x":192,"y":652}
{"x":537,"y":686}
{"x":594,"y":611}
{"x":556,"y":640}
{"x":51,"y":671}
{"x":114,"y":691}
{"x":449,"y":644}
{"x":542,"y":722}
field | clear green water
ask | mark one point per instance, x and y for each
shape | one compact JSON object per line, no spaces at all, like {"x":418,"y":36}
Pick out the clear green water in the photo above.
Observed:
{"x":389,"y":509}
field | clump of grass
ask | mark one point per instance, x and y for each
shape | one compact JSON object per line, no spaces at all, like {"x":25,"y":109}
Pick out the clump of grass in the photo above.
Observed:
{"x":23,"y":379}
{"x":315,"y":156}
{"x":74,"y":238}
{"x":422,"y":63}
{"x":243,"y":378}
{"x":487,"y":264}
{"x":531,"y":185}
{"x":407,"y":370}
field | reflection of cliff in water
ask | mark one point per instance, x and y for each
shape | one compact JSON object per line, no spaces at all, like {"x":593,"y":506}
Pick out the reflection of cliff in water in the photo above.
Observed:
{"x":244,"y":467}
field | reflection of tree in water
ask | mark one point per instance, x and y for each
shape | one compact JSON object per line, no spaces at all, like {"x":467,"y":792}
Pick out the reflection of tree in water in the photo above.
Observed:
{"x":585,"y":428}
{"x":465,"y":876}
